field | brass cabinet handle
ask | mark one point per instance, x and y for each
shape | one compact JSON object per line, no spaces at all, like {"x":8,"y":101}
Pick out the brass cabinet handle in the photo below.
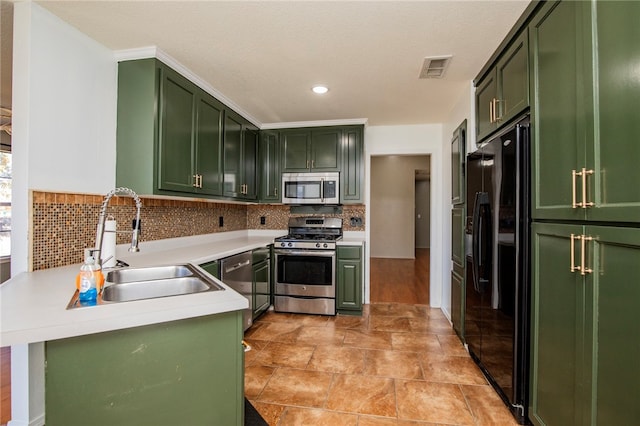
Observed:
{"x":574,"y":204}
{"x":199,"y":181}
{"x":491,"y":111}
{"x":275,"y":190}
{"x":313,"y":164}
{"x":583,"y":174}
{"x":585,"y":203}
{"x":195,"y":181}
{"x":307,"y":164}
{"x":495,"y":109}
{"x":573,"y":253}
{"x":583,"y":269}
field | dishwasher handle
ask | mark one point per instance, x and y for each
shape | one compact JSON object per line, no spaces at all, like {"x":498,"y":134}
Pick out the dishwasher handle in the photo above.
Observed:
{"x":237,"y":266}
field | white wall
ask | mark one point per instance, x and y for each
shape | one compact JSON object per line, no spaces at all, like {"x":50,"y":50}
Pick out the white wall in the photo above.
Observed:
{"x":64,"y":122}
{"x":393,"y":204}
{"x":424,"y":139}
{"x":462,"y":110}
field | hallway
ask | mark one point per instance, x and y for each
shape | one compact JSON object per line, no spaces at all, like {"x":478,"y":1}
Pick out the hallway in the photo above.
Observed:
{"x":401,"y":280}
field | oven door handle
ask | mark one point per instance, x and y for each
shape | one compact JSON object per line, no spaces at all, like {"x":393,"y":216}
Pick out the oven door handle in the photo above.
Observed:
{"x":324,"y":253}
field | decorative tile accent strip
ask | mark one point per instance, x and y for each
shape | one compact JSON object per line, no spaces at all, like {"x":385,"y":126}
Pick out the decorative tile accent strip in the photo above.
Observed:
{"x":65,"y":224}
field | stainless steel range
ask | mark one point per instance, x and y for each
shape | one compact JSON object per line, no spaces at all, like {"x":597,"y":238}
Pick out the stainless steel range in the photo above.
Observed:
{"x":305,"y":266}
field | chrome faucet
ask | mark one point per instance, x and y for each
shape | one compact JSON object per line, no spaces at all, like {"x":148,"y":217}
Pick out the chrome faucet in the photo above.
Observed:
{"x":97,"y":251}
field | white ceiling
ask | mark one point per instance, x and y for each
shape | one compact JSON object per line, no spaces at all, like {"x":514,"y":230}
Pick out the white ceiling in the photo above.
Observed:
{"x":266,"y":55}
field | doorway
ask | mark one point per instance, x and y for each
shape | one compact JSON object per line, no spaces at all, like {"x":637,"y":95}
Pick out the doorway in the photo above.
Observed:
{"x":400,"y":229}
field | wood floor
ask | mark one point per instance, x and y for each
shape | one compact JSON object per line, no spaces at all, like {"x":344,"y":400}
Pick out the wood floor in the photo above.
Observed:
{"x":392,"y":281}
{"x":5,"y":385}
{"x":400,"y":280}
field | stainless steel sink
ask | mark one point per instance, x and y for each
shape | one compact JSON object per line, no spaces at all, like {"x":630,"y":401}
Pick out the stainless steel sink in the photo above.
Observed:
{"x":128,"y":284}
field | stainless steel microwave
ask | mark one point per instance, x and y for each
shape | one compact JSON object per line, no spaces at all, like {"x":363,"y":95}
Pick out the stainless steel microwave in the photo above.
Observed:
{"x":311,"y":188}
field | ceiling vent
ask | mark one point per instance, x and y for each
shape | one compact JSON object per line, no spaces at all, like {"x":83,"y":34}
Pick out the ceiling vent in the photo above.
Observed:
{"x":435,"y":66}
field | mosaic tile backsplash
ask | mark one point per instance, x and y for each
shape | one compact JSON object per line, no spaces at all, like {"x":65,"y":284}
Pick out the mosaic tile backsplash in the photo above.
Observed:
{"x":65,"y":224}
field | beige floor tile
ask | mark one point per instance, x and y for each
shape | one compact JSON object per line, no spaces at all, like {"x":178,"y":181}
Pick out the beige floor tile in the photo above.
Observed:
{"x":431,"y":325}
{"x":255,"y":379}
{"x":278,"y":354}
{"x":295,"y":416}
{"x":416,"y":342}
{"x":451,"y":369}
{"x":382,"y":421}
{"x":432,"y":402}
{"x":320,"y":335}
{"x":337,"y":359}
{"x":452,"y":345}
{"x":383,"y":323}
{"x":271,"y":413}
{"x":251,"y":355}
{"x":396,"y":364}
{"x":368,"y":339}
{"x":348,"y":321}
{"x":487,"y":407}
{"x":363,"y":395}
{"x":289,"y":386}
{"x":271,"y":316}
{"x":278,"y":331}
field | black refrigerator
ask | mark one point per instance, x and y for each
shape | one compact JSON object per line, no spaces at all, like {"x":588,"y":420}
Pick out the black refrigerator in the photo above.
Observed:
{"x":497,"y":255}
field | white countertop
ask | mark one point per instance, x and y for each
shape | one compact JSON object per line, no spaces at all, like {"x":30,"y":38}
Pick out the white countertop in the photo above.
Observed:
{"x":33,"y":304}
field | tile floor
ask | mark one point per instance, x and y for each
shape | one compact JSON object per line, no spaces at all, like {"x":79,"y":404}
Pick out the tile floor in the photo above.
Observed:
{"x":396,"y":365}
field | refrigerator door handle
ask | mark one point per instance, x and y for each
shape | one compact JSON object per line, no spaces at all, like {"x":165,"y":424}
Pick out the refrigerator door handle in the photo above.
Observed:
{"x":481,"y":231}
{"x":475,"y":242}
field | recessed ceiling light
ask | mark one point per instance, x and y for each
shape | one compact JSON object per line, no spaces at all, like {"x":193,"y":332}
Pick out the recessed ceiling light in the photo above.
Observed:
{"x":320,"y":89}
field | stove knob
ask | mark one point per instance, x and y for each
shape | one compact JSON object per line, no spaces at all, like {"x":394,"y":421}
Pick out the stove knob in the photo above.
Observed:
{"x":290,"y":244}
{"x":282,"y":244}
{"x":318,"y":245}
{"x":325,"y":245}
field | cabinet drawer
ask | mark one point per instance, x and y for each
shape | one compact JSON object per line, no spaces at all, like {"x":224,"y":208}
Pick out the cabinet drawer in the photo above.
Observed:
{"x":348,"y":252}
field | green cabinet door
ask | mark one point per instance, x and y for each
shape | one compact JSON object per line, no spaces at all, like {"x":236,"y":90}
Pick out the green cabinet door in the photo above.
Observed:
{"x":325,"y":150}
{"x":457,"y":308}
{"x":584,"y":327}
{"x":187,"y":372}
{"x":557,"y":123}
{"x":232,"y":155}
{"x":612,"y":346}
{"x":209,"y":145}
{"x":212,"y":268}
{"x":349,"y":280}
{"x":486,"y":93}
{"x":271,"y":179}
{"x":177,"y":132}
{"x":249,"y":170}
{"x":295,"y":145}
{"x":512,"y":73}
{"x":458,"y":158}
{"x":352,"y":175}
{"x":557,"y":328}
{"x":614,"y":148}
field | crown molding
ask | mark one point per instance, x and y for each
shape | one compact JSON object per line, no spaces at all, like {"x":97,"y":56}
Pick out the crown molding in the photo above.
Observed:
{"x":317,"y":123}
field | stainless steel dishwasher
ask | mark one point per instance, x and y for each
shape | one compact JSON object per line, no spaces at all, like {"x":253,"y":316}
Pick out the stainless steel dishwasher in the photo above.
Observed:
{"x":236,"y":273}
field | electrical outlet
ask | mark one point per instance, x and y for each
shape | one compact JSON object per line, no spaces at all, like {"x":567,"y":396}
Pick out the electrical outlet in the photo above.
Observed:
{"x":263,"y":220}
{"x":221,"y":221}
{"x":356,"y":221}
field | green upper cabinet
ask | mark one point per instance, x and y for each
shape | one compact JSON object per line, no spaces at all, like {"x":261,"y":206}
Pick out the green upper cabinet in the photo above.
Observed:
{"x":240,"y":157}
{"x":352,"y":175}
{"x":316,"y":149}
{"x":557,"y":126}
{"x":169,"y":132}
{"x":584,"y":327}
{"x":504,"y":92}
{"x":270,"y":177}
{"x":613,"y":147}
{"x":458,"y":157}
{"x":585,"y":149}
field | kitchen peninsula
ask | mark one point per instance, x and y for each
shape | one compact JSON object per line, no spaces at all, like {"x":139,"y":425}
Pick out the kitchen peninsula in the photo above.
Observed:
{"x":182,"y":353}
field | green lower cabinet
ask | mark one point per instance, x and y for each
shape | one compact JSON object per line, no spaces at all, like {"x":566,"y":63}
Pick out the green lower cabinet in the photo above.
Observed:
{"x":212,"y":268}
{"x":349,"y":280}
{"x":187,"y":372}
{"x":585,"y":328}
{"x":457,"y":300}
